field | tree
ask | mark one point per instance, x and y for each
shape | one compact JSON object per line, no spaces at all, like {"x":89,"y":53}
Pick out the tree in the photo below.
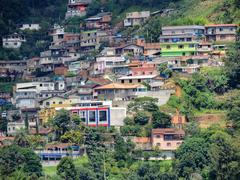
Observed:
{"x":192,"y":156}
{"x":122,"y":150}
{"x":13,"y":158}
{"x":26,"y":123}
{"x":225,"y":160}
{"x":21,"y":139}
{"x":234,"y":116}
{"x":141,"y":118}
{"x":217,"y":79}
{"x":85,"y":173}
{"x":160,"y":120}
{"x":3,"y":124}
{"x":164,"y":70}
{"x":143,"y":103}
{"x":61,"y":123}
{"x":72,"y":136}
{"x":232,"y":64}
{"x":66,"y":169}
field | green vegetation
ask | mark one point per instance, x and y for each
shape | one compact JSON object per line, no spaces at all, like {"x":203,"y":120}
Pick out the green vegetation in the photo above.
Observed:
{"x":211,"y":153}
{"x":14,"y":158}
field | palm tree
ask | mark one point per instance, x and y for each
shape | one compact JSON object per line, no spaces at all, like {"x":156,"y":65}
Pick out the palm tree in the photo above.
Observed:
{"x":21,"y":139}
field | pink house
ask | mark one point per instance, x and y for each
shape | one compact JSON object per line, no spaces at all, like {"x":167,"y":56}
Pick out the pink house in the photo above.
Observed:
{"x":144,"y":69}
{"x":167,"y":138}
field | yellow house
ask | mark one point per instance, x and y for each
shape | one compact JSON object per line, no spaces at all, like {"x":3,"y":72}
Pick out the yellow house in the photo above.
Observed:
{"x":45,"y":114}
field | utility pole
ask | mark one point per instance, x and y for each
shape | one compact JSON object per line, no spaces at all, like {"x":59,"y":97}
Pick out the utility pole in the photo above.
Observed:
{"x":104,"y":168}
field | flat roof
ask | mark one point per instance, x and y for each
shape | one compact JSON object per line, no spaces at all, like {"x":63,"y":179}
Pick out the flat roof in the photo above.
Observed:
{"x":118,"y":86}
{"x":221,"y":25}
{"x":182,"y":27}
{"x":137,"y":77}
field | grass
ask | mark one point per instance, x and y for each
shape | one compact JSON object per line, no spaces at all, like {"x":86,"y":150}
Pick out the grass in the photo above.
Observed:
{"x":52,"y":170}
{"x":207,"y":111}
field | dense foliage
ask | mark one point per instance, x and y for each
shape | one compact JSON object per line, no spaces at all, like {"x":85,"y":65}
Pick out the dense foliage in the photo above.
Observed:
{"x":212,"y":153}
{"x":15,"y":158}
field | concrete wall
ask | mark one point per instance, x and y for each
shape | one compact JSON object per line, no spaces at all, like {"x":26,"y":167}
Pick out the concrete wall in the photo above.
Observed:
{"x":117,"y":116}
{"x":165,"y":144}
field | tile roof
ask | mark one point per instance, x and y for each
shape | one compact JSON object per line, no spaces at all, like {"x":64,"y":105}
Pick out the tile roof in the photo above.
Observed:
{"x":99,"y":80}
{"x":42,"y":131}
{"x":141,"y":140}
{"x":168,"y":131}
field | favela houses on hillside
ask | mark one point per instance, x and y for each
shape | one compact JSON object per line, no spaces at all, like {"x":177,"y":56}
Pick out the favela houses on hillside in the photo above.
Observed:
{"x":97,"y":90}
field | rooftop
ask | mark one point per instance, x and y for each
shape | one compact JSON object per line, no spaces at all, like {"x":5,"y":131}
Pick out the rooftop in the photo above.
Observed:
{"x":118,"y":86}
{"x":221,"y":25}
{"x":137,"y":77}
{"x":168,"y":131}
{"x":182,"y":27}
{"x":141,"y":140}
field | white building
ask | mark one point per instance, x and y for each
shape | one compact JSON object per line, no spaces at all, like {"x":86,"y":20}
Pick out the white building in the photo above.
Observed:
{"x":13,"y":41}
{"x":14,"y":127}
{"x":108,"y":62}
{"x":30,"y":27}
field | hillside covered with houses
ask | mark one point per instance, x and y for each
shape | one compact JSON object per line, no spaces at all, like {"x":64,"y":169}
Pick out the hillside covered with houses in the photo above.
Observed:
{"x":117,"y":90}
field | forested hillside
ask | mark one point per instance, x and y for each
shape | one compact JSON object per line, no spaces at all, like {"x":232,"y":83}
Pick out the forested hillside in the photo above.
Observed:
{"x":15,"y":12}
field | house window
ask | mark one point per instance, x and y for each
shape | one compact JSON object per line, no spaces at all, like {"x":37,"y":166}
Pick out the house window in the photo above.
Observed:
{"x":158,"y":144}
{"x":191,"y":46}
{"x":168,"y":144}
{"x":180,"y":46}
{"x":158,"y":136}
{"x":60,"y":102}
{"x":189,"y":39}
{"x":220,"y":29}
{"x":139,"y":80}
{"x":184,"y":54}
{"x":82,"y":115}
{"x":54,"y":102}
{"x":92,"y":116}
{"x":102,"y":116}
{"x":122,"y":81}
{"x":168,"y":47}
{"x":222,"y":37}
{"x":40,"y":85}
{"x":130,"y":80}
{"x":15,"y":44}
{"x":47,"y":103}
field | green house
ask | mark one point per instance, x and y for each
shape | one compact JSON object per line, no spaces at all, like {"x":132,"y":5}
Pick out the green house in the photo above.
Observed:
{"x":179,"y":49}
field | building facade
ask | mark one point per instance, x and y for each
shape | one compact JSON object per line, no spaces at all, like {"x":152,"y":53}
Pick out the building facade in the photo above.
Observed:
{"x":221,"y":32}
{"x":167,"y":138}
